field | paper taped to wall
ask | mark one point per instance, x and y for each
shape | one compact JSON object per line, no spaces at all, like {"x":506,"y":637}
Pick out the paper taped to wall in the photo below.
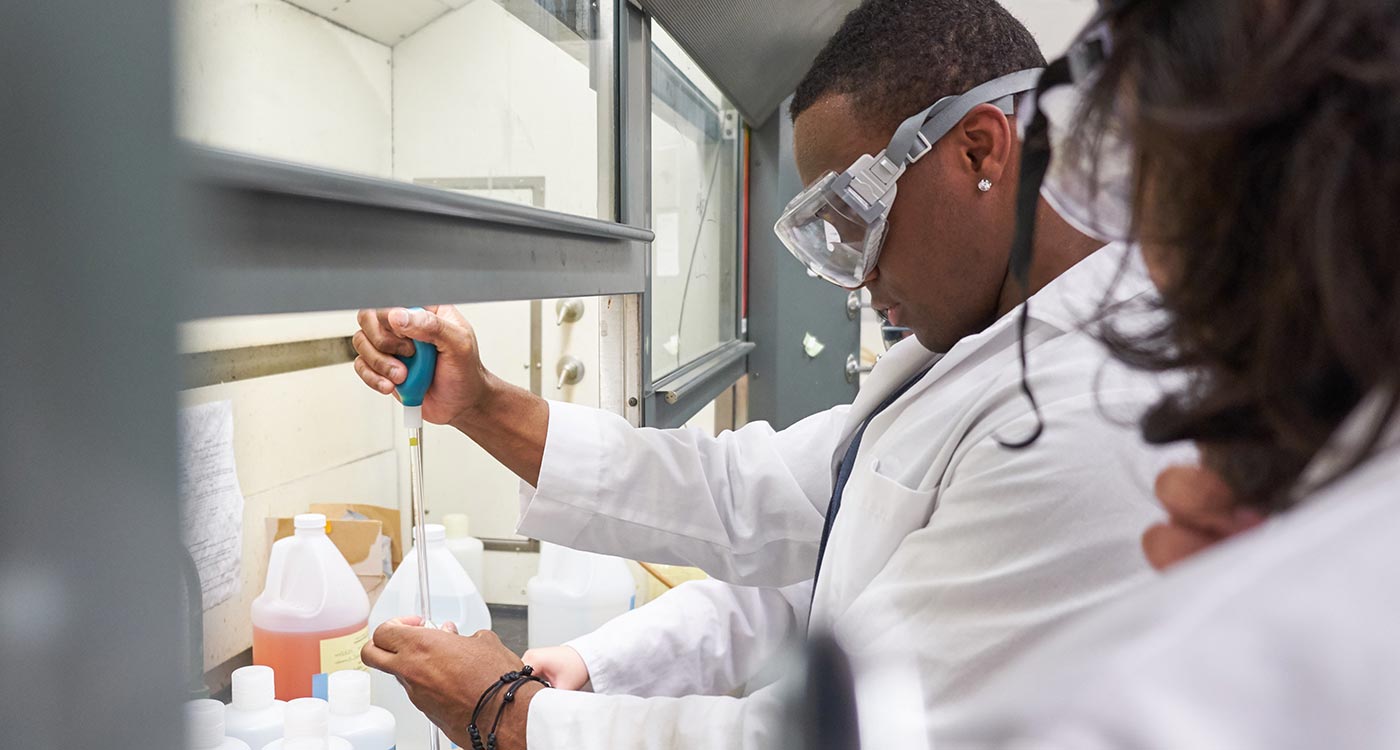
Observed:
{"x":211,"y":503}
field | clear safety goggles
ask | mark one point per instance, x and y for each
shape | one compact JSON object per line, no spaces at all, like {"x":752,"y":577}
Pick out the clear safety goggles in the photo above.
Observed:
{"x":837,"y":226}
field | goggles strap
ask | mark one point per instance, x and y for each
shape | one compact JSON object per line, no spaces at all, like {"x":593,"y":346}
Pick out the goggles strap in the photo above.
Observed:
{"x":917,"y":135}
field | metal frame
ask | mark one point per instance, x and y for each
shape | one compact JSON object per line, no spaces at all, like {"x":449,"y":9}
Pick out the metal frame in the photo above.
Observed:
{"x":680,"y":395}
{"x":673,"y":399}
{"x":273,"y":234}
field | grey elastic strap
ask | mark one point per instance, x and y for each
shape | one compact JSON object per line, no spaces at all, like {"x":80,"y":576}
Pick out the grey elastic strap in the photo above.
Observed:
{"x":935,"y":122}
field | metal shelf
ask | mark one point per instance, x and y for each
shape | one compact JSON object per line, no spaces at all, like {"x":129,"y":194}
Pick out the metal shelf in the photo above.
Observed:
{"x":273,"y":237}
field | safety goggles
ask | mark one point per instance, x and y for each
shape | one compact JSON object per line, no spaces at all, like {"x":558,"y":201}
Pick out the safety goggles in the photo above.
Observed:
{"x":837,"y":226}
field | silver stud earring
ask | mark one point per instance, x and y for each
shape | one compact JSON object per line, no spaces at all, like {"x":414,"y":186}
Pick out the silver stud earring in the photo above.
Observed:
{"x":984,"y":185}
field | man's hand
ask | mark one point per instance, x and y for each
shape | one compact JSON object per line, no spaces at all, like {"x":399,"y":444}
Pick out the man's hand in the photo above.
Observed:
{"x":511,"y":423}
{"x":561,"y":665}
{"x":460,"y":384}
{"x":446,"y":673}
{"x":1201,"y":511}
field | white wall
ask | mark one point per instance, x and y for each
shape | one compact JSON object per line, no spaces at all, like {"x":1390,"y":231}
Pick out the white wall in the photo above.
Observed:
{"x":477,"y":93}
{"x":266,"y":77}
{"x":1053,"y":22}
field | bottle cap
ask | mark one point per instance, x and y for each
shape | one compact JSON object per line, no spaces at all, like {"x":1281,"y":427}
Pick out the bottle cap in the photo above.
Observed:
{"x":253,"y":688}
{"x":307,"y":718}
{"x":348,"y":691}
{"x":458,"y":525}
{"x":204,"y":724}
{"x":309,"y":521}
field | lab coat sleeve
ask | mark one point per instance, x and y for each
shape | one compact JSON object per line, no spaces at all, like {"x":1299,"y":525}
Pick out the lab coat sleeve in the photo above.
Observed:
{"x":701,"y":638}
{"x":746,"y":507}
{"x":568,"y":720}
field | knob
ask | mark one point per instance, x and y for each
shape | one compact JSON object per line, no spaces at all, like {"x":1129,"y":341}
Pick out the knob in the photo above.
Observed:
{"x":568,"y":311}
{"x":853,"y":305}
{"x":854,"y":369}
{"x":570,"y":370}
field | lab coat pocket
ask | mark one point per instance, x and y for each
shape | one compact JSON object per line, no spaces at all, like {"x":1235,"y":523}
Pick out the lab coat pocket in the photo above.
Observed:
{"x":877,"y":513}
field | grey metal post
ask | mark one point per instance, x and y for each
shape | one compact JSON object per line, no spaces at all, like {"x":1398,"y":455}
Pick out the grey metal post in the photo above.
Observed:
{"x":785,"y":303}
{"x":89,"y":617}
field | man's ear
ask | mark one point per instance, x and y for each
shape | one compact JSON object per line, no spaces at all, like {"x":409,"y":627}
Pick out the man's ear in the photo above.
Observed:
{"x":986,"y":142}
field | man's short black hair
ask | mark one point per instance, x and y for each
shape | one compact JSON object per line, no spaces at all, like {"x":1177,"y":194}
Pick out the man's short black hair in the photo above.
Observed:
{"x":897,"y":57}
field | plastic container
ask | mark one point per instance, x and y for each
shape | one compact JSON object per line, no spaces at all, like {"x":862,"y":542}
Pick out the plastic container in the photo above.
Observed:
{"x":255,"y":715}
{"x":204,"y":727}
{"x":352,"y":717}
{"x":311,"y":618}
{"x":468,"y":550}
{"x":575,"y":593}
{"x":308,"y":728}
{"x":454,"y":598}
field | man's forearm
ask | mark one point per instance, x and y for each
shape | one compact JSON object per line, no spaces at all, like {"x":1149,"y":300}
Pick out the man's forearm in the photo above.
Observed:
{"x":511,"y":425}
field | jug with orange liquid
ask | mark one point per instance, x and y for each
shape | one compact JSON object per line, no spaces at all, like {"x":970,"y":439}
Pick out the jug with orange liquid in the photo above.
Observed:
{"x":311,"y":618}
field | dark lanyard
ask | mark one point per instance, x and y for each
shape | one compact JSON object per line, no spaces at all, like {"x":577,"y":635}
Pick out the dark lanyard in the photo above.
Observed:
{"x":848,"y":464}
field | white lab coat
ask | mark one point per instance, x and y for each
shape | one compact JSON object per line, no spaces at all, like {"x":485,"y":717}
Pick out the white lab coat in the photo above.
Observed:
{"x":949,"y":551}
{"x":1281,"y":639}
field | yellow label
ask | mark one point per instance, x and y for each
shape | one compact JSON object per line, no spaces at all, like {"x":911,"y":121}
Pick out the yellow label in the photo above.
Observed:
{"x":343,"y":652}
{"x":412,"y":442}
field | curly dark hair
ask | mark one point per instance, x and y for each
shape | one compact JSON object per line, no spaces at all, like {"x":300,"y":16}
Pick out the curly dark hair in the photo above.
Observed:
{"x":897,"y":57}
{"x":1267,"y":153}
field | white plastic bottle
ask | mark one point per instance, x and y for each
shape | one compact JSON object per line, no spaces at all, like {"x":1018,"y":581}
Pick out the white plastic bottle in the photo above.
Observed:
{"x":204,"y":727}
{"x":308,"y":728}
{"x":255,"y":715}
{"x":454,"y":599}
{"x":575,"y":593}
{"x":310,"y":620}
{"x":468,"y":550}
{"x":353,"y":718}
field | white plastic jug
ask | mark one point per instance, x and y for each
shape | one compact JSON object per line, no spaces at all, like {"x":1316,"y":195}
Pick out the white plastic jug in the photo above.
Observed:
{"x":204,"y":727}
{"x":468,"y":550}
{"x":353,"y":718}
{"x":454,"y":598}
{"x":575,"y":593}
{"x":310,"y":620}
{"x":308,"y":728}
{"x":255,"y":715}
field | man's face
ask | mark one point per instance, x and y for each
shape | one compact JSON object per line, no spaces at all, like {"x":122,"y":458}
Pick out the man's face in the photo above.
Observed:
{"x":943,"y":262}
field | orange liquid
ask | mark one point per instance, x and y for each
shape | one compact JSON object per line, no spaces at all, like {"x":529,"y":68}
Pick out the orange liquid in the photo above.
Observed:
{"x":294,"y":657}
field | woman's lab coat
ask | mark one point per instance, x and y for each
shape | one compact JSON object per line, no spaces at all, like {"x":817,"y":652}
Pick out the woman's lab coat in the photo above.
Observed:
{"x":950,"y":552}
{"x":1283,"y":638}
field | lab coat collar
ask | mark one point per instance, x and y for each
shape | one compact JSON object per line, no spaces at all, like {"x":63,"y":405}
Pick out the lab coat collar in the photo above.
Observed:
{"x":1112,"y":274}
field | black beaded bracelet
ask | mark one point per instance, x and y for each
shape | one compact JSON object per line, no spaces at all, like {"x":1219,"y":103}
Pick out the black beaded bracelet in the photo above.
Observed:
{"x":511,"y":681}
{"x":506,"y":701}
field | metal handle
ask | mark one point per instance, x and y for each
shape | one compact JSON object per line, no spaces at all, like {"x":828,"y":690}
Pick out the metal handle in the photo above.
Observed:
{"x":854,"y":369}
{"x":571,"y":372}
{"x":568,"y":311}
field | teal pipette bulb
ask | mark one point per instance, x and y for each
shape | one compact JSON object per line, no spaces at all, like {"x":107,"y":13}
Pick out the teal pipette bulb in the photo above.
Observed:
{"x":421,"y":365}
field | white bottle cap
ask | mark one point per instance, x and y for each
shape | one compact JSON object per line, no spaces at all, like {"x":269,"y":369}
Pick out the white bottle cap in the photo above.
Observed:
{"x":253,"y":688}
{"x":204,"y":724}
{"x":309,"y":521}
{"x":348,"y":692}
{"x":307,"y":718}
{"x":436,"y":532}
{"x":458,"y":525}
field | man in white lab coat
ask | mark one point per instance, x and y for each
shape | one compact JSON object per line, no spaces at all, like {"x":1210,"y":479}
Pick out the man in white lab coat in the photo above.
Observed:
{"x":904,"y":519}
